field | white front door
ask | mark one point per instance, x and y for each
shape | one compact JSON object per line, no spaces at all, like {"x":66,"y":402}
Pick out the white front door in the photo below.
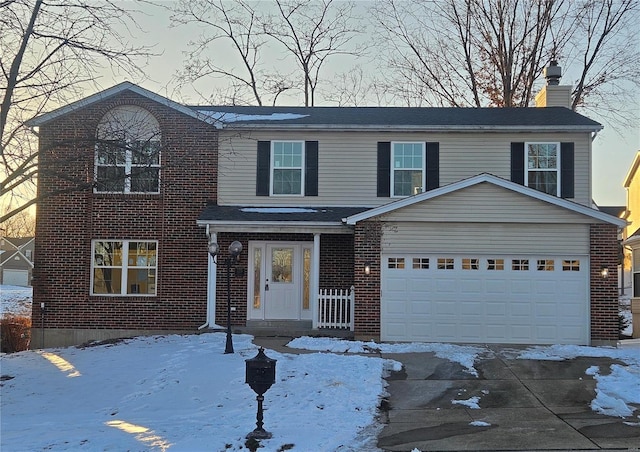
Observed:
{"x":279,"y":280}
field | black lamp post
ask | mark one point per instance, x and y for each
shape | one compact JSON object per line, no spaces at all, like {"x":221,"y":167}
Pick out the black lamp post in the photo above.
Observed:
{"x":234,"y":256}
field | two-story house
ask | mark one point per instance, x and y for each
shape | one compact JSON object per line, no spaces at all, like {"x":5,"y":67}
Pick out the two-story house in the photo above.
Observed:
{"x":435,"y":224}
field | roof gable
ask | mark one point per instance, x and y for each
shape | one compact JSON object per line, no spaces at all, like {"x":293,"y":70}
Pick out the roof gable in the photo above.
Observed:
{"x":113,"y":91}
{"x":489,"y":179}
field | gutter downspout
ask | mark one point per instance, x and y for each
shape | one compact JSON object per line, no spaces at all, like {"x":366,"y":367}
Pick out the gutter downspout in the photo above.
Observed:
{"x":211,"y":284}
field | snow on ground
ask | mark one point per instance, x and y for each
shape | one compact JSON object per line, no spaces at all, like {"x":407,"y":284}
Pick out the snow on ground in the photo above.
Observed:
{"x":614,"y":391}
{"x":465,"y":355}
{"x":15,"y":300}
{"x":184,"y":392}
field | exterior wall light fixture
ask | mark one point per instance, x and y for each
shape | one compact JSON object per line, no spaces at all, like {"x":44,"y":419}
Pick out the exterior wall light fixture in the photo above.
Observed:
{"x":604,"y":271}
{"x":367,"y":268}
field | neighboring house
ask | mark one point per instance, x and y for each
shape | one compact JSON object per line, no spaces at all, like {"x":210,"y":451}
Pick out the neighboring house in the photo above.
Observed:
{"x":631,"y":238}
{"x":399,"y":224}
{"x":16,"y":260}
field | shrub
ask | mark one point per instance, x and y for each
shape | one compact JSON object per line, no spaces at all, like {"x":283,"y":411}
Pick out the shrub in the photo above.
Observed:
{"x":15,"y":333}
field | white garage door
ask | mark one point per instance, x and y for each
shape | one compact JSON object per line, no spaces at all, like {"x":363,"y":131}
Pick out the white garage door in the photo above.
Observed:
{"x":15,"y":277}
{"x":485,"y":299}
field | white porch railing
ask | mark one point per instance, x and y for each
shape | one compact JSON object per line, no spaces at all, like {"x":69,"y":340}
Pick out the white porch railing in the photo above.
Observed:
{"x":336,"y":308}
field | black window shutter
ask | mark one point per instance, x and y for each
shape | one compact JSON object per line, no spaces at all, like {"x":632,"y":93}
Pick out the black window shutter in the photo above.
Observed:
{"x":566,"y":170}
{"x":311,"y":168}
{"x":433,"y":166}
{"x":384,"y":169}
{"x":264,"y":168}
{"x":517,"y":163}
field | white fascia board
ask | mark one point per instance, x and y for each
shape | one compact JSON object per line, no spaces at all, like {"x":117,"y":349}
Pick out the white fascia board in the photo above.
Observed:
{"x":275,"y":226}
{"x":415,"y":128}
{"x":495,"y":180}
{"x":110,"y":92}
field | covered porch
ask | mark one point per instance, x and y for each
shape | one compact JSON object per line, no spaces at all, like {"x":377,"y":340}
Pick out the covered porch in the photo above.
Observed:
{"x":294,"y":276}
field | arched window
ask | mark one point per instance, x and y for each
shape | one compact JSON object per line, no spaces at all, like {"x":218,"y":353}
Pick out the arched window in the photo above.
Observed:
{"x":127,"y":158}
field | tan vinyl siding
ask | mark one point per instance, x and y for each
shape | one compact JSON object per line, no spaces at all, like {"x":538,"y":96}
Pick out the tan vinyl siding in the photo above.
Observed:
{"x":347,"y":166}
{"x":486,"y":238}
{"x":486,"y":203}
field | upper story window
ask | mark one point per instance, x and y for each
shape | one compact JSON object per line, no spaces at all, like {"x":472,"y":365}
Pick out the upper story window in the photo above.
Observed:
{"x":127,"y":158}
{"x":408,"y":171}
{"x":407,"y":168}
{"x":542,"y":168}
{"x":287,"y":167}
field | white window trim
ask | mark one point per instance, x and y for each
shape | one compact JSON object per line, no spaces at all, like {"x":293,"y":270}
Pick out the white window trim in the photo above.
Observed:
{"x":125,"y":267}
{"x":556,"y":170}
{"x":393,"y":169}
{"x":128,"y":165}
{"x":272,"y":168}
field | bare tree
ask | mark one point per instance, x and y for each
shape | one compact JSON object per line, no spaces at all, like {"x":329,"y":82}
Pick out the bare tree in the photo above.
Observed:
{"x":49,"y":52}
{"x":603,"y":56}
{"x":22,"y":224}
{"x":312,"y":31}
{"x":491,"y":52}
{"x":224,"y":22}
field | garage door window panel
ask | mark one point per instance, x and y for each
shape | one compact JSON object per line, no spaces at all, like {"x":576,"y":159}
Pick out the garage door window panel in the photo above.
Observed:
{"x":520,"y":264}
{"x":546,"y":265}
{"x":571,"y":265}
{"x":470,"y":264}
{"x":396,"y":262}
{"x":495,"y":264}
{"x":445,"y":263}
{"x":421,"y":263}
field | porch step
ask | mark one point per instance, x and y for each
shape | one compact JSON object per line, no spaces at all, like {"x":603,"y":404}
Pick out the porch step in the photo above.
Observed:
{"x":289,"y":328}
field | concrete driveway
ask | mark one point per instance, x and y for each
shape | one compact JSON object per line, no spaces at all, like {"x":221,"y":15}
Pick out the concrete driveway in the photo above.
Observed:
{"x":513,"y":404}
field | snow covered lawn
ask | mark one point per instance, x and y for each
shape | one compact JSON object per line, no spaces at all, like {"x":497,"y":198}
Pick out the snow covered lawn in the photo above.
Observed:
{"x":182,"y":393}
{"x":15,"y":300}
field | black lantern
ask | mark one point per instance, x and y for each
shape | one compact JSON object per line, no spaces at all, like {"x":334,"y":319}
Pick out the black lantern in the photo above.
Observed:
{"x":260,"y":375}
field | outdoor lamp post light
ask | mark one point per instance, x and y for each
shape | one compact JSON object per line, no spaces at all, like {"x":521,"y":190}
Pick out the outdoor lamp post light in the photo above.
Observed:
{"x":234,"y":256}
{"x":260,"y":375}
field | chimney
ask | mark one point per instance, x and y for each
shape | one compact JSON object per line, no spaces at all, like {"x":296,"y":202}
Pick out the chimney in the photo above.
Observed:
{"x":553,"y":94}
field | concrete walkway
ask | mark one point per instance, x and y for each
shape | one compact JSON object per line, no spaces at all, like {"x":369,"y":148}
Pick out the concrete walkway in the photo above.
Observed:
{"x":513,"y":404}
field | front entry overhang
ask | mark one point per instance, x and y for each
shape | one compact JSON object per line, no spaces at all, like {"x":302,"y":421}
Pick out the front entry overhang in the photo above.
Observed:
{"x":298,"y":220}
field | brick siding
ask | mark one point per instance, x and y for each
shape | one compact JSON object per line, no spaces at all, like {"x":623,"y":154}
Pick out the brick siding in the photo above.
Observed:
{"x":604,"y":291}
{"x":66,"y":223}
{"x":368,"y":235}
